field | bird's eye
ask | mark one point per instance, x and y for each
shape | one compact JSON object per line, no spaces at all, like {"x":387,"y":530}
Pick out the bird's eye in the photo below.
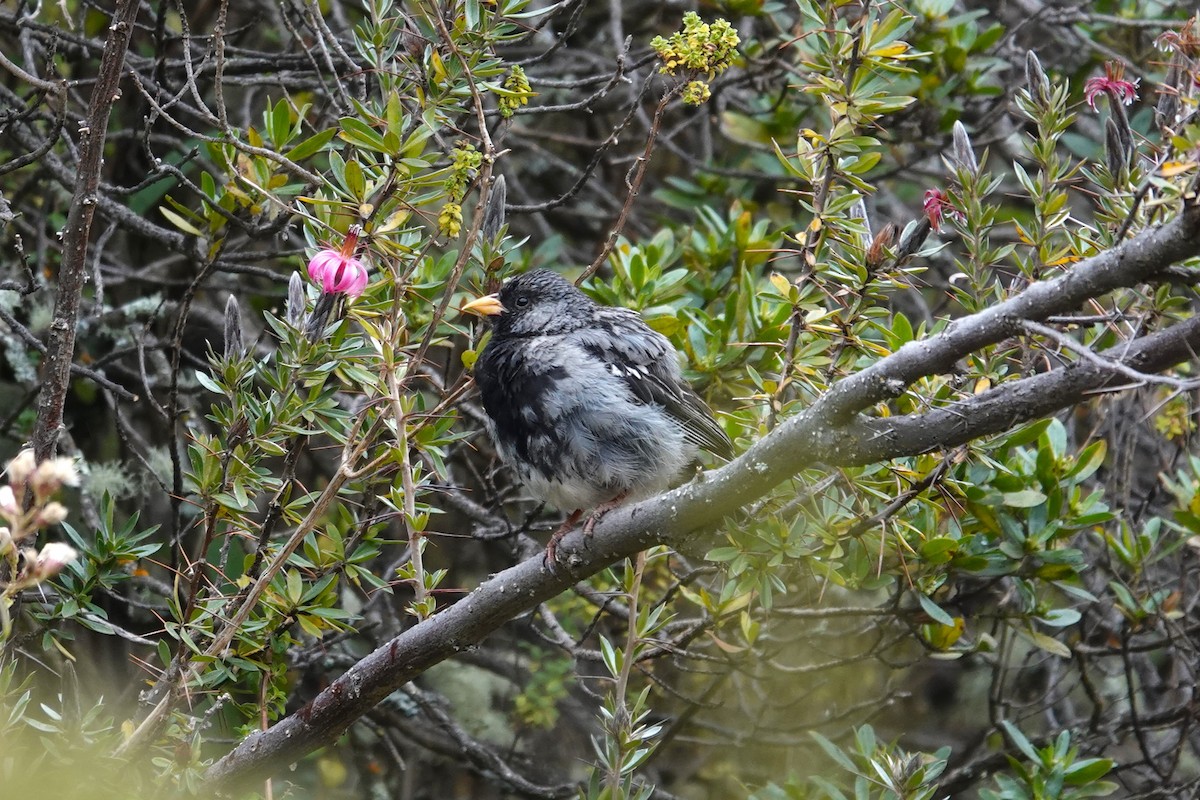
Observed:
{"x":522,"y":300}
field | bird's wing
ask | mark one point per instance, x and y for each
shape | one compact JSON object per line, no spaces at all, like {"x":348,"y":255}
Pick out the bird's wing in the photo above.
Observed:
{"x":647,"y":362}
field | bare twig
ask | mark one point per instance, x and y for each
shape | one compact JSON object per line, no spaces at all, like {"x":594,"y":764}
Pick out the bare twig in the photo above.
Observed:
{"x":73,"y":272}
{"x":633,"y":183}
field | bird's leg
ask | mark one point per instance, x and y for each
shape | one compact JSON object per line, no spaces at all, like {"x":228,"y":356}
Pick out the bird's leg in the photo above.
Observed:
{"x":600,"y":510}
{"x":551,"y":556}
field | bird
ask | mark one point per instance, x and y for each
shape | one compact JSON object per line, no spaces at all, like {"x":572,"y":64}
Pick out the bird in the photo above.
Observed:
{"x":585,"y":402}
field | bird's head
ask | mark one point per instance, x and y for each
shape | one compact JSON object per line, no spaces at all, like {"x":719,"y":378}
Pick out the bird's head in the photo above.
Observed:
{"x":535,"y":303}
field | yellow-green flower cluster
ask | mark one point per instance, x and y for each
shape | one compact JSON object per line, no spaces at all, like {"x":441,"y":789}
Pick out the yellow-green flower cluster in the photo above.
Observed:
{"x":464,"y":161}
{"x":699,"y":47}
{"x":696,"y":92}
{"x":1174,"y":419}
{"x":516,"y":92}
{"x":450,"y":219}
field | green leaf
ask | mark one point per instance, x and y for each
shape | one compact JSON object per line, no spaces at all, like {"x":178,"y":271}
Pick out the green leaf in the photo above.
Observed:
{"x":1088,"y":461}
{"x":179,"y":222}
{"x":1023,"y":744}
{"x":901,"y":330}
{"x":1056,"y":437}
{"x":359,"y":133}
{"x":834,"y":752}
{"x":1026,"y":498}
{"x":612,"y":658}
{"x":279,"y":123}
{"x":935,"y":612}
{"x":1088,"y":770}
{"x":1060,"y":617}
{"x":790,"y":165}
{"x":1049,"y":644}
{"x":722,"y":554}
{"x":355,"y":181}
{"x":295,"y":587}
{"x":1025,"y":435}
{"x":311,"y":145}
{"x":205,"y":380}
{"x":862,"y":164}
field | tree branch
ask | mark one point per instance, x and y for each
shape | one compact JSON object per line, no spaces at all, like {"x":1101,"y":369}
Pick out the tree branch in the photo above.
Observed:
{"x":1129,"y":263}
{"x":828,"y":432}
{"x":73,"y":270}
{"x":1015,"y":402}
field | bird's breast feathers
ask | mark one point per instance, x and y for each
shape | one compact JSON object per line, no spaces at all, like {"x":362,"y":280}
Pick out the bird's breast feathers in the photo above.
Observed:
{"x":571,"y":425}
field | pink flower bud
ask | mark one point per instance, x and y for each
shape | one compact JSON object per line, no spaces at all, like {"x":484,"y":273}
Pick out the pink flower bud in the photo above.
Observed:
{"x":8,"y":503}
{"x":338,"y":271}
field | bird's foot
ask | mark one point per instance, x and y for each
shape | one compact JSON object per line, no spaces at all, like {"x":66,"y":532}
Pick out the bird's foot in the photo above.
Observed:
{"x":550,"y":557}
{"x":598,"y":513}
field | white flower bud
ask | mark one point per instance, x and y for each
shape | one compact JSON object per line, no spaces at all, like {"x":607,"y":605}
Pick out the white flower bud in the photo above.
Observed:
{"x":297,"y":302}
{"x":52,"y":475}
{"x":235,"y":345}
{"x":52,"y":514}
{"x":964,"y":152}
{"x":21,"y":467}
{"x":493,"y":215}
{"x":52,"y":559}
{"x":1035,"y":79}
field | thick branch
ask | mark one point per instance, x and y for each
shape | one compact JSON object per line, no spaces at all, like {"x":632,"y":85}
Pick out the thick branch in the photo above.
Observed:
{"x":73,"y":271}
{"x":869,"y":440}
{"x":810,"y":438}
{"x":1131,"y":262}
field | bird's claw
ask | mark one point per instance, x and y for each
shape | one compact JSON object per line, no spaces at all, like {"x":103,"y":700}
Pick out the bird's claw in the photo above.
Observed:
{"x":550,"y":557}
{"x":598,"y":514}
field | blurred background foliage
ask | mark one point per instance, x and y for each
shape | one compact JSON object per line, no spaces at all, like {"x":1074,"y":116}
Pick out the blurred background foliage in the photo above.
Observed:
{"x":1013,"y":619}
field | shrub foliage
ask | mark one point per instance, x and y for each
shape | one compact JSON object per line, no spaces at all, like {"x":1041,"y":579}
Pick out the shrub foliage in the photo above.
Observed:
{"x":933,"y":263}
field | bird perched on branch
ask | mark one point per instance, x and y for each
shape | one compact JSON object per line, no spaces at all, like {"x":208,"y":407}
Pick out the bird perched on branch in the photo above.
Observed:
{"x":586,"y":402}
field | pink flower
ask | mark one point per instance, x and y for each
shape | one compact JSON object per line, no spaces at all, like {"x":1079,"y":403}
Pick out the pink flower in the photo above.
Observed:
{"x":1113,"y":84}
{"x":338,"y":271}
{"x":1167,"y":41}
{"x":1185,"y":41}
{"x":937,"y":206}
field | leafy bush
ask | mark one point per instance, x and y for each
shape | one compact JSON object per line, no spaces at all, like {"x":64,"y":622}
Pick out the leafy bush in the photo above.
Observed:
{"x":939,"y":287}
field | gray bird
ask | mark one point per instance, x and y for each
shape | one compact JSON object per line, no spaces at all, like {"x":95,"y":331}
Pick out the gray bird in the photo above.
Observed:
{"x":586,"y":402}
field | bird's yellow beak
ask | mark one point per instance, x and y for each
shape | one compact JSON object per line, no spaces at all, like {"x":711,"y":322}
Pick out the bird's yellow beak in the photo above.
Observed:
{"x":487,"y":306}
